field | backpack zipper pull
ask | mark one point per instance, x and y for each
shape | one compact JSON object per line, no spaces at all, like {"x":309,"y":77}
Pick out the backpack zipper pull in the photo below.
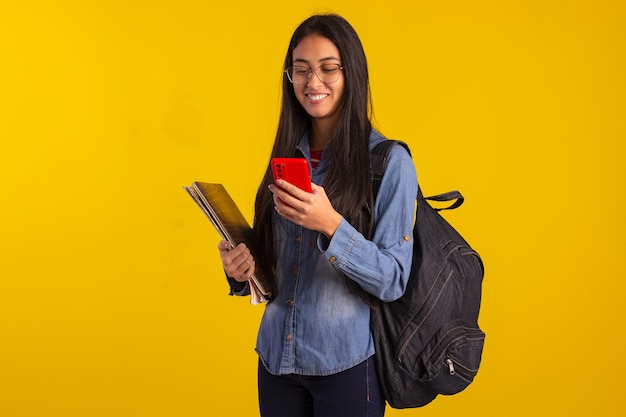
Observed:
{"x":451,"y":366}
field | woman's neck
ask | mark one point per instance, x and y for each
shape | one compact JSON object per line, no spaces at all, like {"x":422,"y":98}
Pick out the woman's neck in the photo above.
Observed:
{"x":320,"y":134}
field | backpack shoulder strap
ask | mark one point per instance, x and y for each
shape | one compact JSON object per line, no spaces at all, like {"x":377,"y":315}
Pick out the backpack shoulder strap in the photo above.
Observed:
{"x":379,"y":155}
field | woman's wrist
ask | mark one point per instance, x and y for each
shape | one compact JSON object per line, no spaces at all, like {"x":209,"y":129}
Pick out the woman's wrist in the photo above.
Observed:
{"x":333,"y":225}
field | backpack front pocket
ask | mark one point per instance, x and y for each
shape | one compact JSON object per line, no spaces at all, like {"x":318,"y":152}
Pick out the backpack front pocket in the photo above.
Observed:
{"x":453,"y":362}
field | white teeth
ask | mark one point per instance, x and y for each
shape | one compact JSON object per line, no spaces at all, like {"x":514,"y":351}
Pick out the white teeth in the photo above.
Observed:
{"x":317,"y":97}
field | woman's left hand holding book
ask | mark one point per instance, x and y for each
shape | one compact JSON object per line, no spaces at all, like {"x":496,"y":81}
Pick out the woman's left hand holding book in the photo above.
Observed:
{"x":237,"y":261}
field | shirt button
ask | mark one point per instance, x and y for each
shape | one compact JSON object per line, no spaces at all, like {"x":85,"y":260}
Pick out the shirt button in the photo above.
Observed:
{"x":295,"y":272}
{"x":290,"y":302}
{"x":407,"y":238}
{"x":332,"y":259}
{"x":298,"y":239}
{"x":289,"y":337}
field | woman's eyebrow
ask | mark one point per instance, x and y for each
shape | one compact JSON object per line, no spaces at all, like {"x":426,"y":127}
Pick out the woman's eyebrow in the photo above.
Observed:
{"x":302,"y":60}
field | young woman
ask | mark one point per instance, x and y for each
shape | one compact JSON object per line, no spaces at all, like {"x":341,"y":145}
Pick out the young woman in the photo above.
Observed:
{"x":326,"y":251}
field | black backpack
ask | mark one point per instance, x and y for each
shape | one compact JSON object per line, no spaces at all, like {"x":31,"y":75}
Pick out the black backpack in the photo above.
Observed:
{"x":428,"y":342}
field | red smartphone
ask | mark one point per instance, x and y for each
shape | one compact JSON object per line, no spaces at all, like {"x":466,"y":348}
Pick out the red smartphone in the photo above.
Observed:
{"x":293,"y":170}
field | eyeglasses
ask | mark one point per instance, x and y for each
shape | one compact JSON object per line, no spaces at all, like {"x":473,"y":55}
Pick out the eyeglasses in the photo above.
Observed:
{"x":301,"y":74}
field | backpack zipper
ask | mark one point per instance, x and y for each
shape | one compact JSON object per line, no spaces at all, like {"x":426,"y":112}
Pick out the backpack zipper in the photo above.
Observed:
{"x":460,"y":371}
{"x":457,"y":333}
{"x":450,"y":366}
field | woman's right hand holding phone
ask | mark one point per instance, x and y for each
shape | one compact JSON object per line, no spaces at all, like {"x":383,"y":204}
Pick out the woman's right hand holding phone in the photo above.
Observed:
{"x":238,"y":262}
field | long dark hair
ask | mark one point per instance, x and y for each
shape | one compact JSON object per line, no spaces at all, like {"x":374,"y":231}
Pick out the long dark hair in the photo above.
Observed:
{"x":347,"y":182}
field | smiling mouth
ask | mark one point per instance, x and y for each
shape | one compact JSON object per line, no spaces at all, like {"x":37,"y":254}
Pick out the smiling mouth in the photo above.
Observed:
{"x":317,"y":97}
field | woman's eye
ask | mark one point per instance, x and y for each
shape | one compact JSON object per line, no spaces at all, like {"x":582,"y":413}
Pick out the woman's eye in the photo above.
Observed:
{"x":301,"y":70}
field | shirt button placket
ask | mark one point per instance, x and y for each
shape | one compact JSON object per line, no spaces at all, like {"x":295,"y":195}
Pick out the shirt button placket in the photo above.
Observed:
{"x":290,"y":303}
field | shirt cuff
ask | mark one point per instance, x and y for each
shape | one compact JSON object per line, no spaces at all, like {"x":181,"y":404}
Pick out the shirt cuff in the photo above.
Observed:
{"x":342,"y":241}
{"x":238,"y":288}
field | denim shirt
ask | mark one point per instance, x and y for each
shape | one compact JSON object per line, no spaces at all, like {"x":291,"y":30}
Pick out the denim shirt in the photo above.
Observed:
{"x":317,"y":324}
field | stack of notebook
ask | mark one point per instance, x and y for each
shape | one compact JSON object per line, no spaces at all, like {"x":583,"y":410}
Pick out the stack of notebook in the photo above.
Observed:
{"x":229,"y":222}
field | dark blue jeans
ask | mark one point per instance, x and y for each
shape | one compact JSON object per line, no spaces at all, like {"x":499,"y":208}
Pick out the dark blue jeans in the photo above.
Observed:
{"x":352,"y":393}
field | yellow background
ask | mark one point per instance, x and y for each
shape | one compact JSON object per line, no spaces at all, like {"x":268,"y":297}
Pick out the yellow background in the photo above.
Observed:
{"x":112,"y":300}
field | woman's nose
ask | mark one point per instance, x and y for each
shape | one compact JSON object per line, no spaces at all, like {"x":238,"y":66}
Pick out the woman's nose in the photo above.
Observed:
{"x":314,"y":79}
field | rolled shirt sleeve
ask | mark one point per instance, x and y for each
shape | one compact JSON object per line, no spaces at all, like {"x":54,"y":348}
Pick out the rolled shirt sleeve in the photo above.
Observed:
{"x":380,"y":266}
